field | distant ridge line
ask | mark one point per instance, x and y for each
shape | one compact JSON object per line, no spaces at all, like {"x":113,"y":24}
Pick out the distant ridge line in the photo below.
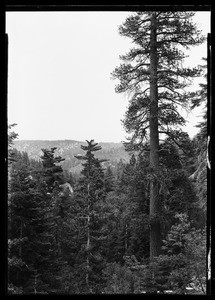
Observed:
{"x":65,"y":140}
{"x":67,"y":149}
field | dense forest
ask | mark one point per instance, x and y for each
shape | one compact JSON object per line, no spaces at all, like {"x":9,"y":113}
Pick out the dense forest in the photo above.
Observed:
{"x":140,"y":228}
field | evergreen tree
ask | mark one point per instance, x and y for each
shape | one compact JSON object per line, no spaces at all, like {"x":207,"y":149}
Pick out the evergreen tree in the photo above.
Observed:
{"x":14,"y":262}
{"x":109,"y":179}
{"x":52,"y":176}
{"x":199,"y":175}
{"x":153,"y":75}
{"x":200,"y":98}
{"x":181,"y":268}
{"x":185,"y":249}
{"x":90,"y":195}
{"x":176,"y":192}
{"x":129,"y":202}
{"x":136,"y":186}
{"x":127,"y":206}
{"x":52,"y":173}
{"x":27,"y":224}
{"x":11,"y":137}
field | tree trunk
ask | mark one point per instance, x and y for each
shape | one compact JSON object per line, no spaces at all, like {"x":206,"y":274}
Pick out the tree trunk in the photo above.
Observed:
{"x":126,"y":237}
{"x":20,"y":242}
{"x":87,"y":248}
{"x":35,"y":283}
{"x":155,"y":233}
{"x":88,"y":239}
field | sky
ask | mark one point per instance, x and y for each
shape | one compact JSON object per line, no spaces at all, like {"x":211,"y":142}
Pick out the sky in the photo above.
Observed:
{"x":59,"y":74}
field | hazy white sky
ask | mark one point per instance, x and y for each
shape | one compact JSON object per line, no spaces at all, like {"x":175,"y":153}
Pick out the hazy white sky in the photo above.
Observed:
{"x":59,"y":67}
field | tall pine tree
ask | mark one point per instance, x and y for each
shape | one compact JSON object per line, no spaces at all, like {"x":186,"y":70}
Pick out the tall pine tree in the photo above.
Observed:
{"x":153,"y":75}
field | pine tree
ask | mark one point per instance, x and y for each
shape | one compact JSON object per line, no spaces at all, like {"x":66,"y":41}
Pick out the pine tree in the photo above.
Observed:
{"x":90,"y":195}
{"x":185,"y":249}
{"x":52,"y":173}
{"x":52,"y":176}
{"x":109,"y":179}
{"x":199,"y":175}
{"x":155,"y":80}
{"x":27,"y":224}
{"x":176,"y":192}
{"x":36,"y":224}
{"x":127,"y":208}
{"x":15,"y":263}
{"x":11,"y":137}
{"x":136,"y":186}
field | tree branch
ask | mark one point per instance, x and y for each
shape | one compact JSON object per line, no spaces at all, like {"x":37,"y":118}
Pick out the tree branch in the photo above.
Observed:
{"x":171,"y":136}
{"x":167,"y":87}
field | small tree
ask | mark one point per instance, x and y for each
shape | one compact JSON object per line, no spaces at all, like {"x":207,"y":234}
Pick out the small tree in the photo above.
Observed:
{"x":52,"y":172}
{"x":109,"y":179}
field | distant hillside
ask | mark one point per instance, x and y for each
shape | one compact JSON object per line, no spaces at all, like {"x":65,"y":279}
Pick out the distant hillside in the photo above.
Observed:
{"x":68,"y":148}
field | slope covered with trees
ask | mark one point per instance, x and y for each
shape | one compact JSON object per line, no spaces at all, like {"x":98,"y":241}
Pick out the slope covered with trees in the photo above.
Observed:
{"x":113,"y":152}
{"x":93,"y":236}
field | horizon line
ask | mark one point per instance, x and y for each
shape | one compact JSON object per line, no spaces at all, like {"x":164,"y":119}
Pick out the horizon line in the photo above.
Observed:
{"x":54,"y":140}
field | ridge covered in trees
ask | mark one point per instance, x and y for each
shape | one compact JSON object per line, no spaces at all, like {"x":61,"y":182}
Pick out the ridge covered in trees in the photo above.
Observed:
{"x":113,"y":152}
{"x":135,"y":226}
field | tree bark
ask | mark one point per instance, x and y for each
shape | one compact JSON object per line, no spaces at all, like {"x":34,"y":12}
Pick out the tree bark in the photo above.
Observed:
{"x":20,"y":242}
{"x":88,"y":239}
{"x":155,"y":232}
{"x":126,"y":237}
